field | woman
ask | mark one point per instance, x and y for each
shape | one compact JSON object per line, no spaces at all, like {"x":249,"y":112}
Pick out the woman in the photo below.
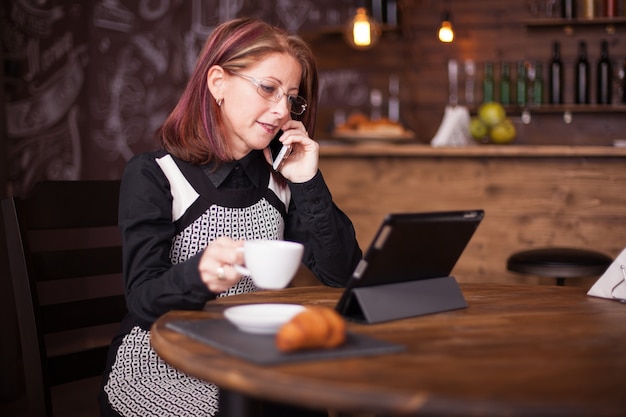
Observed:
{"x":185,"y":210}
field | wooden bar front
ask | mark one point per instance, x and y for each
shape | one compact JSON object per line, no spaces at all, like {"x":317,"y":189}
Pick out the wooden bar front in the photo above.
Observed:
{"x":532,"y":196}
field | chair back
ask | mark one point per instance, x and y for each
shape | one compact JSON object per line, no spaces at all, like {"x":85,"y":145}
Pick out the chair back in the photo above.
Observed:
{"x":65,"y":261}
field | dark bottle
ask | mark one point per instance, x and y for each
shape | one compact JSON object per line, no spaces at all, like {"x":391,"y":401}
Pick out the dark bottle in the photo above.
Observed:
{"x":520,"y":84}
{"x":538,"y":85}
{"x":488,"y":83}
{"x":505,"y":84}
{"x":581,"y":88}
{"x":624,"y":82}
{"x":604,"y":75}
{"x":555,"y":76}
{"x":568,"y":9}
{"x":610,"y":8}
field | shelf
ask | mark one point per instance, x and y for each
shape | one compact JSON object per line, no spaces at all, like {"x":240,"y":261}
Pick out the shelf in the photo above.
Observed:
{"x":598,"y":21}
{"x":568,"y":25}
{"x":333,"y":148}
{"x":568,"y":110}
{"x":573,"y":108}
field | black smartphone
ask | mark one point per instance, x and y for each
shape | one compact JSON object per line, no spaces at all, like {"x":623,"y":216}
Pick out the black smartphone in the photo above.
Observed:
{"x":278,"y":151}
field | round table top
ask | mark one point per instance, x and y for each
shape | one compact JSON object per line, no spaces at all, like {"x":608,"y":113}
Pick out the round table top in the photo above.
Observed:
{"x":514,"y":351}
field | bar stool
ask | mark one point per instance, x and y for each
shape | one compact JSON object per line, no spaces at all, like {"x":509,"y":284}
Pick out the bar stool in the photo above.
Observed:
{"x":559,"y":263}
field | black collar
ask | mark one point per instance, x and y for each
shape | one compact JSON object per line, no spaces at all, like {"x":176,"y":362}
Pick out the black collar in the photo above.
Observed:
{"x":253,"y":164}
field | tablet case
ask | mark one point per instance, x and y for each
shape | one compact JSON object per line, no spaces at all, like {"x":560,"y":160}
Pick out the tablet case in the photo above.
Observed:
{"x":406,"y":270}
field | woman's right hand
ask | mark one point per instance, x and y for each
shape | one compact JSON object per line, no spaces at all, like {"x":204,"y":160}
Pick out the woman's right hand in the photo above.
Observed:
{"x":216,"y":264}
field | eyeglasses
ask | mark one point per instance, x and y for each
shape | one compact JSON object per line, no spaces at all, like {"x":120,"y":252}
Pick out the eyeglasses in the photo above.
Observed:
{"x":271,"y":91}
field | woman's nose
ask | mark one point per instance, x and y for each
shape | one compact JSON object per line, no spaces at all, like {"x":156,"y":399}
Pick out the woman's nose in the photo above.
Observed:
{"x":282,"y":106}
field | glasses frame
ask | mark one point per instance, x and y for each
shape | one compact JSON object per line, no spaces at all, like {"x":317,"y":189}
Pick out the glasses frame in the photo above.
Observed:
{"x":261,"y":83}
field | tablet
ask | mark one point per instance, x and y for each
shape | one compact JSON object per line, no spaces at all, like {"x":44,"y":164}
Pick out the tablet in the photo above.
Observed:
{"x":411,"y":247}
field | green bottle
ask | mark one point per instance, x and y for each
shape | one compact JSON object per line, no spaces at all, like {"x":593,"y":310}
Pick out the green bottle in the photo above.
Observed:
{"x":505,"y":84}
{"x":520,"y":84}
{"x":488,"y":83}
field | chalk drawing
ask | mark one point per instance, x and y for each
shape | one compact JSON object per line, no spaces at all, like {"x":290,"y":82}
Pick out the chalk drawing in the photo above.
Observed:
{"x":110,"y":14}
{"x":34,"y":20}
{"x":153,"y":9}
{"x":41,"y":109}
{"x":139,"y":80}
{"x":293,"y":14}
{"x":48,"y":102}
{"x":53,"y":154}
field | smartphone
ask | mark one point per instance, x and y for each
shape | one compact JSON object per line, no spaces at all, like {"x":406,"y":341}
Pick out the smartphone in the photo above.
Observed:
{"x":278,"y":151}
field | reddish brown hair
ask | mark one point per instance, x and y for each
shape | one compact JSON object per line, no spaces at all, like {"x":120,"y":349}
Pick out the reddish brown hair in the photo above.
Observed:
{"x":193,"y":131}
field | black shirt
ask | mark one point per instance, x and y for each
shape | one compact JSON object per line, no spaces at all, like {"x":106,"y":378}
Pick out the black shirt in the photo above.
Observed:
{"x":158,"y":205}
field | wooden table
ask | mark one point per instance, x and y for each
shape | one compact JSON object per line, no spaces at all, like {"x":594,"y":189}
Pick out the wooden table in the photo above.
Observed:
{"x":515,"y":351}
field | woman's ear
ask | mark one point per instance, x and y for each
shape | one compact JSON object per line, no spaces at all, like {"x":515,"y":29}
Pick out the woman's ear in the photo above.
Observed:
{"x":215,"y":82}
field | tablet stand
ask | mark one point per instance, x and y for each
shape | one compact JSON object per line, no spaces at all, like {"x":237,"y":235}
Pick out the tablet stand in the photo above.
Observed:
{"x":387,"y":302}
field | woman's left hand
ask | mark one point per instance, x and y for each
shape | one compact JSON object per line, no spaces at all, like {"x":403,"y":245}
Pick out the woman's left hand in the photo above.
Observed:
{"x":302,"y":162}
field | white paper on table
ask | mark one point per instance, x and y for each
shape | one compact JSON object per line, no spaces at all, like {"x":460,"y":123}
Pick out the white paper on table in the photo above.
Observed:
{"x":612,"y":284}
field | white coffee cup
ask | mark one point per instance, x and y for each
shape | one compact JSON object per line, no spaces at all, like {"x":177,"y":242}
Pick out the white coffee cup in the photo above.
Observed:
{"x":271,"y":263}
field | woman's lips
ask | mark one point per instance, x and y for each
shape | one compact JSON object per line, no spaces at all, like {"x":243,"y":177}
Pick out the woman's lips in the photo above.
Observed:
{"x":268,"y":127}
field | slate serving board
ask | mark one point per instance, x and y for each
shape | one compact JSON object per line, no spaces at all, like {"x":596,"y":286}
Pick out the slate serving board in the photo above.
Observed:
{"x":261,"y":349}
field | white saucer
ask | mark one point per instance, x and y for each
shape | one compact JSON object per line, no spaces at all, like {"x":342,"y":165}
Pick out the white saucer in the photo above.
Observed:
{"x":261,"y":318}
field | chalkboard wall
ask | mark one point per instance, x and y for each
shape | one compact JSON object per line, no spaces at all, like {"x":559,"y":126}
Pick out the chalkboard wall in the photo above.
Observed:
{"x":87,"y":83}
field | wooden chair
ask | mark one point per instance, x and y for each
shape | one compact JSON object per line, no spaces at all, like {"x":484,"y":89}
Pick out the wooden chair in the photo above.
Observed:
{"x":65,"y":262}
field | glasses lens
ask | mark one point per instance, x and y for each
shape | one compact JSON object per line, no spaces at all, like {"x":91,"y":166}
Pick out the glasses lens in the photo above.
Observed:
{"x":269,"y":90}
{"x":298,"y":104}
{"x":272,"y":91}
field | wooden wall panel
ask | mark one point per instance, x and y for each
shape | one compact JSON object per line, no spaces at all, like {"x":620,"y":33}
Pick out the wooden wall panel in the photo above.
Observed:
{"x":529,"y":202}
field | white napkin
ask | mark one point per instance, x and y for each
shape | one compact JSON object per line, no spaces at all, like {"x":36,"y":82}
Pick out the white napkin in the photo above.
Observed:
{"x":612,"y":284}
{"x":454,"y":128}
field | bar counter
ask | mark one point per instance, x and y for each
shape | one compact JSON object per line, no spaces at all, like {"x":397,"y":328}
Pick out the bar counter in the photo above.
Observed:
{"x":335,"y":148}
{"x":533,"y":196}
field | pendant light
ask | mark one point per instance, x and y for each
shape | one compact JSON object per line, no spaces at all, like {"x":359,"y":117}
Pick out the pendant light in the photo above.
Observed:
{"x":446,"y":33}
{"x":362,"y":31}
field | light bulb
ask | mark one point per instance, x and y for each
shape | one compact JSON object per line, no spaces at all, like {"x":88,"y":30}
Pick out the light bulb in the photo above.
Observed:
{"x":362,"y":31}
{"x":446,"y":34}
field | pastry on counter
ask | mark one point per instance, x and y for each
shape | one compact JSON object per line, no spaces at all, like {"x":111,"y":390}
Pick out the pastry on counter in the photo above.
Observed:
{"x":359,"y":126}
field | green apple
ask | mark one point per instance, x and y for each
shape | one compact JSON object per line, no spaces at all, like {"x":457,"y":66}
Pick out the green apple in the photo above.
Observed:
{"x":491,"y":113}
{"x":503,"y":132}
{"x":478,"y":129}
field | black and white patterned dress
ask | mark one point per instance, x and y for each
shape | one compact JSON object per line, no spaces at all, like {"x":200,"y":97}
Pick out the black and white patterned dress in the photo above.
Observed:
{"x":169,"y":212}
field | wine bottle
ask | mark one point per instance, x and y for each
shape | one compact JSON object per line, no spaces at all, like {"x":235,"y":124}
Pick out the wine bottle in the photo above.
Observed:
{"x":588,"y":9}
{"x":555,"y":80}
{"x":470,"y":81}
{"x":604,"y":75}
{"x":488,"y":83}
{"x":624,"y":81}
{"x":505,"y":84}
{"x":520,"y":84}
{"x":581,"y":88}
{"x":568,"y":9}
{"x":610,"y":8}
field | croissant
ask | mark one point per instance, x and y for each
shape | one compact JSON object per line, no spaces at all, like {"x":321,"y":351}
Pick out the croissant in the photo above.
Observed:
{"x":314,"y":327}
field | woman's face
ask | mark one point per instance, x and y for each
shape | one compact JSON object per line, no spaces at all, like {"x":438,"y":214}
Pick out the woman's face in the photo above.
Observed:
{"x":251,"y":121}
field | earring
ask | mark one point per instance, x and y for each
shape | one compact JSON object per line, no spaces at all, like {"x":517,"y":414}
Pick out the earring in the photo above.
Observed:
{"x":219,"y":101}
